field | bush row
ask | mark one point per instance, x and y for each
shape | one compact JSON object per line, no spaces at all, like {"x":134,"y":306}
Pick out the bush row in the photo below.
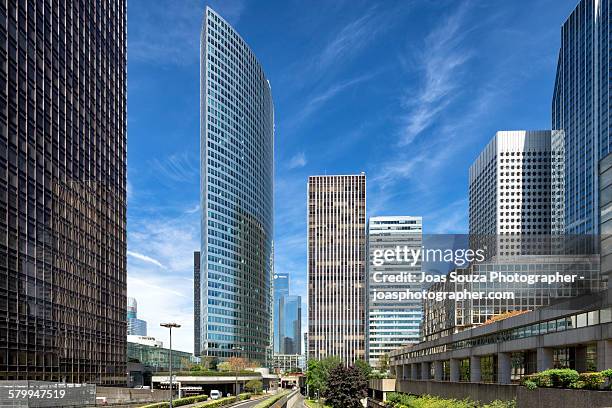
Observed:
{"x":218,"y":403}
{"x":270,"y":401}
{"x":567,"y":378}
{"x":179,"y":402}
{"x":396,"y":400}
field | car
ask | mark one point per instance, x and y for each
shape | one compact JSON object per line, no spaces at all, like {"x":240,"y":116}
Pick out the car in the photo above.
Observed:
{"x":215,"y":394}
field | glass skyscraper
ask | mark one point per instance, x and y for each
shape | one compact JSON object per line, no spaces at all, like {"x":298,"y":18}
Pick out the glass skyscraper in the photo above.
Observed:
{"x":136,"y":326}
{"x":236,"y":176}
{"x":63,"y":191}
{"x":581,"y":116}
{"x":290,"y":324}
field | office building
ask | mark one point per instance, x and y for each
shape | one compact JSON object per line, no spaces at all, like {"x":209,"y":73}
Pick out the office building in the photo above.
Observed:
{"x":337,"y":267}
{"x":281,"y":288}
{"x":197,"y":329}
{"x":136,"y":326}
{"x":444,"y":317}
{"x":290,"y":324}
{"x":63,"y":191}
{"x":581,"y":113}
{"x":236,"y":173}
{"x":393,"y":323}
{"x":287,"y":363}
{"x":605,"y":206}
{"x":510,"y":194}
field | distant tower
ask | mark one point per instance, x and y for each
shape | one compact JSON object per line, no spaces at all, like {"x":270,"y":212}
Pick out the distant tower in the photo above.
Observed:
{"x":136,"y":327}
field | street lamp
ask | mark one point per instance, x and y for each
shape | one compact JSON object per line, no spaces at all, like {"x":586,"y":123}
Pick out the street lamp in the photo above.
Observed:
{"x":236,"y":349}
{"x":170,"y":326}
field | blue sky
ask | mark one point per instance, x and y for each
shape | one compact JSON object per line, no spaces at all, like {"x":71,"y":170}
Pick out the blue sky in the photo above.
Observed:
{"x":407,"y":91}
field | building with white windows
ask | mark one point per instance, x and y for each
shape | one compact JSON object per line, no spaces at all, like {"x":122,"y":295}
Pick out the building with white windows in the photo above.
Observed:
{"x":510,"y":193}
{"x":392,"y":323}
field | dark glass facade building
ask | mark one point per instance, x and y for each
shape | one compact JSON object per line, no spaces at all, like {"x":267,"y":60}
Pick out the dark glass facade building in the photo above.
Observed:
{"x":63,"y":191}
{"x":581,"y":116}
{"x":236,"y":175}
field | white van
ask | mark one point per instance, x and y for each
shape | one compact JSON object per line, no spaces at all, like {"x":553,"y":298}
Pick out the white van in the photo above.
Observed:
{"x":215,"y":394}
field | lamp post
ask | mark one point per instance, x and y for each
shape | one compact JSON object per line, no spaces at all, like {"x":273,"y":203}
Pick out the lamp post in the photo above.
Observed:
{"x":236,"y":350}
{"x":170,"y":326}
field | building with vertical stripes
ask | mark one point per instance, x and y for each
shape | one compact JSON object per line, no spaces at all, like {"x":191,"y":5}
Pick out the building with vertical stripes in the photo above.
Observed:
{"x":63,"y":145}
{"x":337,"y":267}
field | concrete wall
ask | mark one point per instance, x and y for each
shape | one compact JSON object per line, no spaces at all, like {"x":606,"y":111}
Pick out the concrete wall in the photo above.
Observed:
{"x":118,"y":395}
{"x":560,"y":398}
{"x":477,"y":391}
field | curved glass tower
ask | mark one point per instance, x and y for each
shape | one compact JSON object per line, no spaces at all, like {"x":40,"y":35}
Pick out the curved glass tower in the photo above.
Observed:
{"x":236,"y":195}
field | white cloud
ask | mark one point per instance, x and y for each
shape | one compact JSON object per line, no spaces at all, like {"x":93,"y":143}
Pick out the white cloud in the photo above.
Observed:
{"x":440,"y":62}
{"x":297,"y":161}
{"x":145,"y":258}
{"x":167,"y":32}
{"x":176,"y":168}
{"x":163,"y":283}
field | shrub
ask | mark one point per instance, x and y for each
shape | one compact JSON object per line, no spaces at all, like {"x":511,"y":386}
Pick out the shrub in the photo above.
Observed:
{"x":254,"y":386}
{"x":396,"y":400}
{"x":270,"y":401}
{"x":562,"y":378}
{"x":608,"y":376}
{"x":179,"y":402}
{"x":592,"y":381}
{"x":218,"y":403}
{"x":501,"y":404}
{"x":531,"y":385}
{"x":244,"y":396}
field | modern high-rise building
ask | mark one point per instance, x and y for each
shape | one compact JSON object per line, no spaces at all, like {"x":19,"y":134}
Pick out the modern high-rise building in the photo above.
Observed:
{"x":337,"y":267}
{"x":290,"y":324}
{"x":510,"y":193}
{"x":581,"y":113}
{"x":197,"y":323}
{"x":393,"y":323}
{"x":136,"y":326}
{"x":236,"y":193}
{"x":63,"y":191}
{"x":281,"y":288}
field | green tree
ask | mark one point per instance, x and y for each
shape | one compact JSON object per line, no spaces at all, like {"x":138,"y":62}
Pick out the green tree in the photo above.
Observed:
{"x":254,"y":386}
{"x":317,"y":373}
{"x":365,"y":368}
{"x":383,"y":363}
{"x":346,"y":387}
{"x":224,"y":366}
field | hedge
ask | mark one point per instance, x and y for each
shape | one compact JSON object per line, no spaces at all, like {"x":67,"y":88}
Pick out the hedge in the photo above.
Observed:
{"x":396,"y":400}
{"x":270,"y":401}
{"x":218,"y":403}
{"x":568,"y":378}
{"x":179,"y":402}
